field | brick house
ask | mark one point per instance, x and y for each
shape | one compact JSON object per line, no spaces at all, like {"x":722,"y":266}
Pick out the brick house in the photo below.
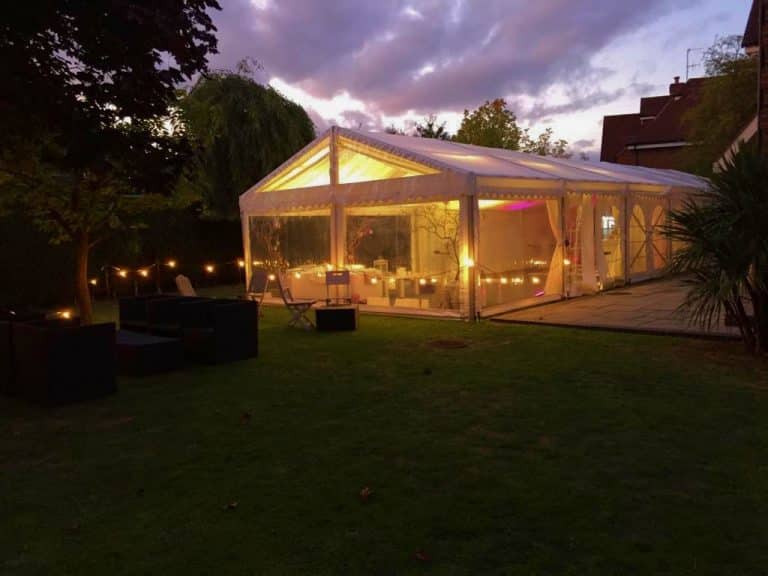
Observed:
{"x":655,"y":136}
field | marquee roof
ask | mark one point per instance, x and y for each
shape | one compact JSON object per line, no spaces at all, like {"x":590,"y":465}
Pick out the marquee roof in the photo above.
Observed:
{"x":374,"y":165}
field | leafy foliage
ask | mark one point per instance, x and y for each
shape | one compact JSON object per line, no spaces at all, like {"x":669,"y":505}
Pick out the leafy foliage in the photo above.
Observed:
{"x":493,"y":125}
{"x":728,"y":102}
{"x":725,"y":249}
{"x":84,"y":107}
{"x":430,"y":127}
{"x":545,"y":145}
{"x":243,"y":131}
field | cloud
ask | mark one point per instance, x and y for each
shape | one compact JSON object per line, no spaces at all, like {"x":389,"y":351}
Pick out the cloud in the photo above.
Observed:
{"x":425,"y":55}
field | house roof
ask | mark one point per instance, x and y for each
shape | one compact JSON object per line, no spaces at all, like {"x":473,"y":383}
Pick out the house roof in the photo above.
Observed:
{"x":660,"y":121}
{"x":669,"y":122}
{"x":752,"y":31}
{"x":615,"y":131}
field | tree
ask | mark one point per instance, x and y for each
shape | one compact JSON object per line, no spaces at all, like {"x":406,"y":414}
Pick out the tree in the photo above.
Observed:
{"x":430,"y":128}
{"x":493,"y":125}
{"x":87,"y":94}
{"x":545,"y":145}
{"x":243,"y":131}
{"x":727,"y":103}
{"x":724,"y":234}
{"x":394,"y":130}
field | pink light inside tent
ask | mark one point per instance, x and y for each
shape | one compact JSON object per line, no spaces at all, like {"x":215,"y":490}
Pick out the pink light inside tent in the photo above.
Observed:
{"x":522,"y":205}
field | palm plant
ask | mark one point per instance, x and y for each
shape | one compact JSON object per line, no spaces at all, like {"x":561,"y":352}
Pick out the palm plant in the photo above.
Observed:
{"x":724,"y":234}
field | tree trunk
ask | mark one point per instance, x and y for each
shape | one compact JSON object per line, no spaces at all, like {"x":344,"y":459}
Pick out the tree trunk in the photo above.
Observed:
{"x":82,"y":291}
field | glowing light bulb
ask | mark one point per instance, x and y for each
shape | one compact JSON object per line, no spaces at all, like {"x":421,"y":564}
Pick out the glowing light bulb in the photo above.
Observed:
{"x":505,"y":280}
{"x":241,"y":263}
{"x":297,"y":275}
{"x":93,"y":281}
{"x":210,"y":269}
{"x":122,"y":273}
{"x":422,"y":281}
{"x":469,"y":262}
{"x":434,"y":280}
{"x":144,"y":273}
{"x":65,"y":314}
{"x":374,"y":280}
{"x":567,"y":262}
{"x":271,"y":277}
{"x":171,"y":263}
{"x":535,"y":280}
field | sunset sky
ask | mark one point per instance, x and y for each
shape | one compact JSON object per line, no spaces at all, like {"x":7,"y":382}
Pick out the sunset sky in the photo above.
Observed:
{"x":559,"y":63}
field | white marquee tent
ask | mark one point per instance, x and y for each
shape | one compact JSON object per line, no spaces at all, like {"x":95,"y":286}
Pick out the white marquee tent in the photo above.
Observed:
{"x":438,"y":227}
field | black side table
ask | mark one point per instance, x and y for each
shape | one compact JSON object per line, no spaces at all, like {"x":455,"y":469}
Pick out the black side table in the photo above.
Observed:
{"x":336,"y":318}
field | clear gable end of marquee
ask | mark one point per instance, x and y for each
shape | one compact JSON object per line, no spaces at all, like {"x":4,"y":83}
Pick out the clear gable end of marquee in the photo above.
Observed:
{"x":436,"y":227}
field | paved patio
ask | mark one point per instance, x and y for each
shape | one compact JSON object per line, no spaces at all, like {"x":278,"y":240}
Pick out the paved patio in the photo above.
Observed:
{"x":650,"y":308}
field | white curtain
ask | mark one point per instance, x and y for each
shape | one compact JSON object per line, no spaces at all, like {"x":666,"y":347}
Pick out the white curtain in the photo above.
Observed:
{"x":554,"y":283}
{"x":588,"y":245}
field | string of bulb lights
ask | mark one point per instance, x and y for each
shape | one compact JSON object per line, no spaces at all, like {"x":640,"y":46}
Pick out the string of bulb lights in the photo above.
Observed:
{"x":124,"y":273}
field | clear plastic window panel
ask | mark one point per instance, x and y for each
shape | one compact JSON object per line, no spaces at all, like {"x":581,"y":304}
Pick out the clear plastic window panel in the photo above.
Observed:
{"x":519,"y":260}
{"x":405,"y":256}
{"x":297,"y":247}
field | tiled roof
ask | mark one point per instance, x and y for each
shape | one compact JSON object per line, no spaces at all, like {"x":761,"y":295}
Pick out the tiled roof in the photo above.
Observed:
{"x":752,"y":31}
{"x":660,"y":121}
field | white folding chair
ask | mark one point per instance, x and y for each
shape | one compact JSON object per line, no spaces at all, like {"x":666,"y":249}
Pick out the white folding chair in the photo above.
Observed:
{"x":298,"y":307}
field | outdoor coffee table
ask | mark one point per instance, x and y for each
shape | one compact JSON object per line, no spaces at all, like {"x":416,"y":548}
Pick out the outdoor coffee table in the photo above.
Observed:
{"x":336,"y":318}
{"x":141,"y":354}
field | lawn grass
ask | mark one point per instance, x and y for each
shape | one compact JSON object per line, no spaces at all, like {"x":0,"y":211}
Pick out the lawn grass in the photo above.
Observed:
{"x":531,"y":451}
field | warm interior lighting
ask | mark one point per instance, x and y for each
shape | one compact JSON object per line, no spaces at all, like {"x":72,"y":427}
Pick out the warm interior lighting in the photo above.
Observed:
{"x":272,"y":277}
{"x":469,"y":262}
{"x":567,"y":262}
{"x":422,"y":281}
{"x":241,"y":263}
{"x":143,"y":273}
{"x":297,"y":275}
{"x":257,"y":262}
{"x":505,"y":280}
{"x":434,"y":280}
{"x":374,"y":280}
{"x":171,"y":263}
{"x":122,"y":273}
{"x":210,"y":269}
{"x":93,"y":281}
{"x":65,"y":314}
{"x":535,"y":280}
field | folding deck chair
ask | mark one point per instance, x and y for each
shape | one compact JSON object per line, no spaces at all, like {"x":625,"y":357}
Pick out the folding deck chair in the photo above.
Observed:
{"x":258,"y":287}
{"x":298,"y":307}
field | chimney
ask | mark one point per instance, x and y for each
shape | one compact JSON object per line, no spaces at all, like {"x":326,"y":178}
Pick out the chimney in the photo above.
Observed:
{"x":677,"y":88}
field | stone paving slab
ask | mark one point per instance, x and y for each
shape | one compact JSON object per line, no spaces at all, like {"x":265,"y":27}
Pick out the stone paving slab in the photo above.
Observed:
{"x":650,"y":308}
